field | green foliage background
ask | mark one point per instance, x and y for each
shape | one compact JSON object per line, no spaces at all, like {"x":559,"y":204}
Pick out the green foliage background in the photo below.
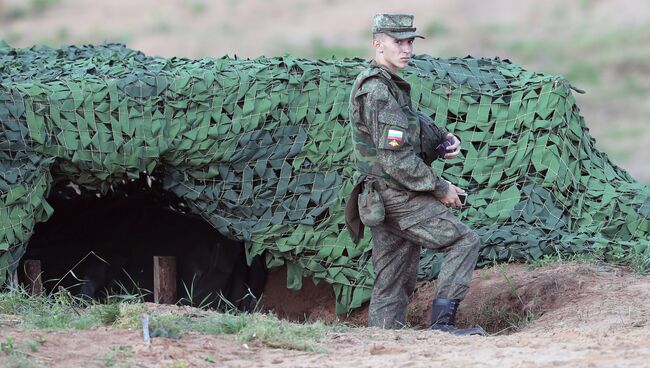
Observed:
{"x":261,"y":149}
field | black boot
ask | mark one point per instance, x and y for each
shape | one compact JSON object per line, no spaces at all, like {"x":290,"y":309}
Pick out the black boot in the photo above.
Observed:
{"x":443,"y":317}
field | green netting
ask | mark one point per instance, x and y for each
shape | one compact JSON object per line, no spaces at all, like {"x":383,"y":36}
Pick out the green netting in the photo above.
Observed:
{"x":261,"y":149}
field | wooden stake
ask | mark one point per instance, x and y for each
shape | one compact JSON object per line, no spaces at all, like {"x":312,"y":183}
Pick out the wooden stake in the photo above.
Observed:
{"x":33,"y":276}
{"x":164,"y":280}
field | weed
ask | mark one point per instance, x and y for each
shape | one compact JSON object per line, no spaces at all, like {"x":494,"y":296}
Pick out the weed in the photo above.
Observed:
{"x":55,"y":311}
{"x":175,"y":364}
{"x":8,"y":345}
{"x":166,"y":325}
{"x":549,"y":259}
{"x":128,"y":294}
{"x":116,"y":356}
{"x":266,"y":329}
{"x":106,"y":313}
{"x":511,"y":285}
{"x":19,"y":355}
{"x":129,"y":316}
{"x":517,"y":321}
{"x":190,"y":292}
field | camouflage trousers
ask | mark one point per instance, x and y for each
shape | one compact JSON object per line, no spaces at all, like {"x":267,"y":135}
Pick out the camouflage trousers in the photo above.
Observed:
{"x":415,"y":220}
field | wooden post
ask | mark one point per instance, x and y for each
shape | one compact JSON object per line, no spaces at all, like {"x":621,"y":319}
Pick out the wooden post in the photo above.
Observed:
{"x":164,"y":279}
{"x":33,"y":276}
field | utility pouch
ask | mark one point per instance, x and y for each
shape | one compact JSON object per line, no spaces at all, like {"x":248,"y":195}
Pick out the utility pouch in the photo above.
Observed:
{"x":371,"y":207}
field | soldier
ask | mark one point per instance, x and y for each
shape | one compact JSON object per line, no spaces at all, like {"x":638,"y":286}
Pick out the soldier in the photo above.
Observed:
{"x":398,"y":194}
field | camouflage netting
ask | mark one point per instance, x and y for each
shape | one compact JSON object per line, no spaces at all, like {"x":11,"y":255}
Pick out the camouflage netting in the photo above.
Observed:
{"x":261,"y":149}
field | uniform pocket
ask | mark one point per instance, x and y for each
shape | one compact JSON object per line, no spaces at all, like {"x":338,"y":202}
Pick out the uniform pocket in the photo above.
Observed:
{"x":371,"y":206}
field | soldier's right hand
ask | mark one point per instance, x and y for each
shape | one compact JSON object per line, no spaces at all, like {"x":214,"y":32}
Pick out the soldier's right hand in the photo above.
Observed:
{"x":450,"y":199}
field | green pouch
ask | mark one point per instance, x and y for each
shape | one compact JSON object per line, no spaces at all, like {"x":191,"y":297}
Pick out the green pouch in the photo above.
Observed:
{"x":371,"y":207}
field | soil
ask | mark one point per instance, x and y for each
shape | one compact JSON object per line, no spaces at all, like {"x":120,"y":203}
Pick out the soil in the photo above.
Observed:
{"x":565,"y":314}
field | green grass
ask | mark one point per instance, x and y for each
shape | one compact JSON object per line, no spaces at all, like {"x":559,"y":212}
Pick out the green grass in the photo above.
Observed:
{"x":266,"y":329}
{"x":549,"y":259}
{"x":15,"y":354}
{"x":61,"y":311}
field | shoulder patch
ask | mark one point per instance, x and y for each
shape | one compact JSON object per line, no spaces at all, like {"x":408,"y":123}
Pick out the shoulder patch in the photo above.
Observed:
{"x":395,"y":137}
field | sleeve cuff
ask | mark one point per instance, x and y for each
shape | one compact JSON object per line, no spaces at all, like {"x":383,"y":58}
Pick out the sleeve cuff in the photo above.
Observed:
{"x":442,"y":186}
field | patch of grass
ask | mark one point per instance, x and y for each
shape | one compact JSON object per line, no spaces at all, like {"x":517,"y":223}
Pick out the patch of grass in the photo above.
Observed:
{"x":167,"y":325}
{"x":176,"y":364}
{"x":55,"y":311}
{"x":118,"y":356}
{"x":492,"y":317}
{"x":132,"y":293}
{"x":61,"y":310}
{"x":266,"y":329}
{"x":130,"y":315}
{"x":518,"y":321}
{"x":638,"y":258}
{"x":15,"y":354}
{"x":549,"y":259}
{"x":191,"y":297}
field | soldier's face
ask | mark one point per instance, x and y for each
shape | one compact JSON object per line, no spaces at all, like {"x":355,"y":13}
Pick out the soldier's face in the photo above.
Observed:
{"x":395,"y":53}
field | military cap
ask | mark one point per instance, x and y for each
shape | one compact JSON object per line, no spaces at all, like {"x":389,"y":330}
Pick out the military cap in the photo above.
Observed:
{"x":398,"y":26}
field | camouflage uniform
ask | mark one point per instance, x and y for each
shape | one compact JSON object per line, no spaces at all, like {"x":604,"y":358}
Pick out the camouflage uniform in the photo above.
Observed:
{"x":388,"y":148}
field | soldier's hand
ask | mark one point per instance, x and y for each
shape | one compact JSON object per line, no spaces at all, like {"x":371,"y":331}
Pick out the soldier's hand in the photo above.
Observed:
{"x":454,"y":149}
{"x":451,"y":198}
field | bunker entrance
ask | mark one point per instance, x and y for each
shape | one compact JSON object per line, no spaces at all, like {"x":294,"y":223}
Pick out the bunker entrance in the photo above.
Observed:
{"x":98,"y":246}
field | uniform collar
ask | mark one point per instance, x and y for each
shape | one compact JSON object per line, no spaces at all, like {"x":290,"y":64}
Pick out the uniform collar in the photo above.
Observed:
{"x":401,"y":83}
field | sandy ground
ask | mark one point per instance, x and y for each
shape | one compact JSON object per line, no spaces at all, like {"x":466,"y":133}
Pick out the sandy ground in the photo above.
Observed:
{"x":586,"y":316}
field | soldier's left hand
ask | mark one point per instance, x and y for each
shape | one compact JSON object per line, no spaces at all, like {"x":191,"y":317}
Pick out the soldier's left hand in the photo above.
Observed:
{"x":454,"y":149}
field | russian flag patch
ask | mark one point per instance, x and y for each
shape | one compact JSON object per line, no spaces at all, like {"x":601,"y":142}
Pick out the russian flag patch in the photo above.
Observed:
{"x":395,"y":137}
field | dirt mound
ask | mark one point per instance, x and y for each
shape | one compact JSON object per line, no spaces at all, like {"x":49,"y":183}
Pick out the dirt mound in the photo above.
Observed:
{"x":502,"y":299}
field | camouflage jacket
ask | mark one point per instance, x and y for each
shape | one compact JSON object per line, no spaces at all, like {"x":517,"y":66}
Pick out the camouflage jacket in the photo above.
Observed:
{"x":386,"y":132}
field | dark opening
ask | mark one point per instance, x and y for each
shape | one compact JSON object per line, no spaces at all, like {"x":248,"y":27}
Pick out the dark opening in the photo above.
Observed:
{"x":96,"y":246}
